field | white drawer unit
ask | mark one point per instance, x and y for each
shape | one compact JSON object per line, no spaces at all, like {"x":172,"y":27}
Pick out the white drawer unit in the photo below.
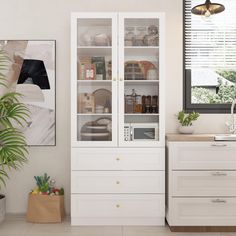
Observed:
{"x":202,"y":155}
{"x":201,"y":183}
{"x":118,"y":209}
{"x":118,"y":182}
{"x":203,"y":211}
{"x":118,"y":159}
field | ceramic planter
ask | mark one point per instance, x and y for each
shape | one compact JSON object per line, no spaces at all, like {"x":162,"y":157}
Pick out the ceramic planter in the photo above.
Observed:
{"x":186,"y":129}
{"x":2,"y":207}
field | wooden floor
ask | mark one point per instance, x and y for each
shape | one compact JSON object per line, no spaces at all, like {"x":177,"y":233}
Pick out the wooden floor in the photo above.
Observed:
{"x":16,"y":225}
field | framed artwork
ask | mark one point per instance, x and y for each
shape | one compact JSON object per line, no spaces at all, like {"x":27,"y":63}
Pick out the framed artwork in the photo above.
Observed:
{"x":32,"y":73}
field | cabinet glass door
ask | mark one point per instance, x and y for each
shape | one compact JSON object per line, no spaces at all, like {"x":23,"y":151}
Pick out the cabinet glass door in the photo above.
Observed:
{"x":140,"y":109}
{"x":95,"y":89}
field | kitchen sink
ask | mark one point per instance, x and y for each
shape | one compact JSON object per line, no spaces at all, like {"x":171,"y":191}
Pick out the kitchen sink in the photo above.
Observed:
{"x":225,"y":137}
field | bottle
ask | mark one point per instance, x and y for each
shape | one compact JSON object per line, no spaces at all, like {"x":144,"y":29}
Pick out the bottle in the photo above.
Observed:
{"x":143,"y":104}
{"x":157,"y":104}
{"x":148,"y":104}
{"x":138,"y":104}
{"x":133,"y":95}
{"x":107,"y":107}
{"x":154,"y":104}
{"x":129,"y":104}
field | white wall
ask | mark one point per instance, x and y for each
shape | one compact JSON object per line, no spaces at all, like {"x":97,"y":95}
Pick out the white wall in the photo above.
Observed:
{"x":50,"y":19}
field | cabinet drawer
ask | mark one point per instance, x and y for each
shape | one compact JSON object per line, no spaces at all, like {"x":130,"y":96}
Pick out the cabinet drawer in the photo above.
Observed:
{"x":203,"y":211}
{"x":117,"y":182}
{"x":203,"y":183}
{"x":118,"y":159}
{"x":202,"y":155}
{"x":116,"y":206}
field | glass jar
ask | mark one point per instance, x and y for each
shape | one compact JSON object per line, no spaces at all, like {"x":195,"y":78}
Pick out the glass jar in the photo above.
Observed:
{"x":129,"y":36}
{"x":129,"y":104}
{"x":139,"y":38}
{"x":152,"y":38}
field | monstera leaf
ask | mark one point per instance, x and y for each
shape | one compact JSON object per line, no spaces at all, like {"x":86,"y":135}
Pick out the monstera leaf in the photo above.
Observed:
{"x":13,"y":146}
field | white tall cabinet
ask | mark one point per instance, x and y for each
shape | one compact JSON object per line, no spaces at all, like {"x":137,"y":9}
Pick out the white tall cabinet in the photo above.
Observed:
{"x":117,"y":118}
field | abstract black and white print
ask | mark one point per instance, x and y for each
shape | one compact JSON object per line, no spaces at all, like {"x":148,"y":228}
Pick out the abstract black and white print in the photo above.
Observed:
{"x":32,"y":73}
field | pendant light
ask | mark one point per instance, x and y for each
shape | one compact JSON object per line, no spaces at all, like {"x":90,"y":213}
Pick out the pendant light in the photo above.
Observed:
{"x":207,"y":9}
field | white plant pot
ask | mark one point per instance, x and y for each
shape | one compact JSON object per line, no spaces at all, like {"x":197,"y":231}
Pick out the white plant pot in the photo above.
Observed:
{"x":186,"y":129}
{"x":2,"y":207}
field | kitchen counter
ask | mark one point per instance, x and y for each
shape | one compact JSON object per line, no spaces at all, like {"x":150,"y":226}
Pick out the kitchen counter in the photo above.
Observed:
{"x":190,"y":137}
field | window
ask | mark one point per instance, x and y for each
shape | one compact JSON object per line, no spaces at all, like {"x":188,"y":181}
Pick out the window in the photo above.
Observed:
{"x":209,"y":59}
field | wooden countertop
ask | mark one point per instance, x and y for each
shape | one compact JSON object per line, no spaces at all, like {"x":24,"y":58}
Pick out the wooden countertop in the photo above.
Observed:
{"x":190,"y":137}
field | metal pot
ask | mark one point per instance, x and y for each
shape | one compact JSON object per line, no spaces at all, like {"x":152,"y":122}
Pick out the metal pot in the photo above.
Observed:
{"x":2,"y":207}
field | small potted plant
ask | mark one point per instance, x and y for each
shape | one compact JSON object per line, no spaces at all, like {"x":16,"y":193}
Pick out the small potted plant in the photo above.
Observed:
{"x":186,"y":121}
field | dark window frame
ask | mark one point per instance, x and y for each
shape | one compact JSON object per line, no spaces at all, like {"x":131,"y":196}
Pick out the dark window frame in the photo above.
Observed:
{"x":187,"y":105}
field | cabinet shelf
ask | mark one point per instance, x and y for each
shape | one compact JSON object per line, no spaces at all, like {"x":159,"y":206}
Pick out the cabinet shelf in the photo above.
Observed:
{"x":94,"y":114}
{"x":143,"y":82}
{"x":142,"y":47}
{"x":94,"y":82}
{"x":142,"y":51}
{"x":94,"y":50}
{"x":94,"y":47}
{"x":141,"y":114}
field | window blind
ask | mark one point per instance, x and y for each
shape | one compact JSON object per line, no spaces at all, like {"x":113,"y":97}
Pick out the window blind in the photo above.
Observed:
{"x":210,"y":42}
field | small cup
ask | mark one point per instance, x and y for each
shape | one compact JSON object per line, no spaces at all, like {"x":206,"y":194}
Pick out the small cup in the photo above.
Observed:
{"x":152,"y":74}
{"x":106,"y":110}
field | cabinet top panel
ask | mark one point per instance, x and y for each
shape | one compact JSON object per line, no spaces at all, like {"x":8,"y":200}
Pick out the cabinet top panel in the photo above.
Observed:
{"x":190,"y":137}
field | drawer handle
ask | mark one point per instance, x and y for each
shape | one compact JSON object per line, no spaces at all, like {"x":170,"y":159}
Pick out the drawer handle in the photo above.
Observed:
{"x":219,"y":145}
{"x":117,"y":182}
{"x":118,"y":159}
{"x":218,"y":201}
{"x":117,"y":205}
{"x":217,"y":173}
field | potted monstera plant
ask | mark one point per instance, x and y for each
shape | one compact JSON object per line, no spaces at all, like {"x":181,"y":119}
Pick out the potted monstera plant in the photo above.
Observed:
{"x":13,"y":146}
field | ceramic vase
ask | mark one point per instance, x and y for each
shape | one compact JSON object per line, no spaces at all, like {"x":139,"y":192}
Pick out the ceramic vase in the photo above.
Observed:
{"x":186,"y":129}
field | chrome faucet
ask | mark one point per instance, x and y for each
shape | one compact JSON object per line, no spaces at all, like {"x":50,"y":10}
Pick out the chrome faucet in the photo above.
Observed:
{"x":232,"y":128}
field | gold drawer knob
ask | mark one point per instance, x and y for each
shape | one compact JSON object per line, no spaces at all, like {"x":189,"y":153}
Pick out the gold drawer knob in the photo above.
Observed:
{"x":117,"y":182}
{"x":118,"y":159}
{"x":117,"y":205}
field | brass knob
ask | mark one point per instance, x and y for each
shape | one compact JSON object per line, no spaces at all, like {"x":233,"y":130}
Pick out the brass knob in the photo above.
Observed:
{"x":117,"y":182}
{"x":117,"y":206}
{"x":117,"y":158}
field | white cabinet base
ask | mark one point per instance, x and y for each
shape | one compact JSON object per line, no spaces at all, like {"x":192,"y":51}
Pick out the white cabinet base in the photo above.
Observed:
{"x":201,"y":185}
{"x":203,"y":211}
{"x":118,"y":209}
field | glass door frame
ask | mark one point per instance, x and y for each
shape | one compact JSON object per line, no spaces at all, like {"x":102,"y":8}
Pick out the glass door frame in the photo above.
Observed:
{"x":74,"y":55}
{"x":121,"y":88}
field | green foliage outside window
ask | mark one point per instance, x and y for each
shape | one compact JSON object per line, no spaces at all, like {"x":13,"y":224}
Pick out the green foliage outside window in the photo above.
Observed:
{"x":226,"y":92}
